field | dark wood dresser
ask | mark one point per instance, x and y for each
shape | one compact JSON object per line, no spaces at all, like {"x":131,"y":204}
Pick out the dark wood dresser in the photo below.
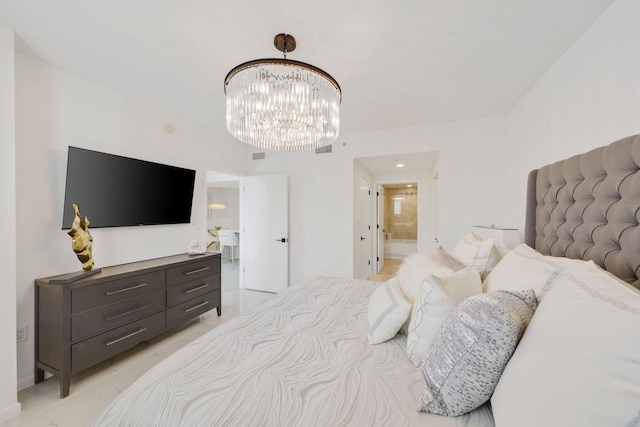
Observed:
{"x":85,"y":322}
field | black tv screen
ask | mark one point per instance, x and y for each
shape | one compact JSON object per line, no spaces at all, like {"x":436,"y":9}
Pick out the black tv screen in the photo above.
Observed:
{"x":116,"y":191}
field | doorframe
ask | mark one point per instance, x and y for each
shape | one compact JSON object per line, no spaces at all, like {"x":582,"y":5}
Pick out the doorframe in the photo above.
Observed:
{"x":379,"y":229}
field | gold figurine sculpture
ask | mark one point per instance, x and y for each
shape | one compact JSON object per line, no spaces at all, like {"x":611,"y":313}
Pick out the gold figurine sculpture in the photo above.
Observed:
{"x":81,"y":240}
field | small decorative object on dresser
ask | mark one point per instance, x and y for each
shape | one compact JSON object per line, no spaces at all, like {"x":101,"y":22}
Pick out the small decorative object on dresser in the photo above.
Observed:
{"x":82,"y":245}
{"x":81,"y":240}
{"x":83,"y":322}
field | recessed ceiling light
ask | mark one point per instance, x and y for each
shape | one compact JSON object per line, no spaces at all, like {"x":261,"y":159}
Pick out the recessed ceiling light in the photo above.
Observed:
{"x":399,"y":165}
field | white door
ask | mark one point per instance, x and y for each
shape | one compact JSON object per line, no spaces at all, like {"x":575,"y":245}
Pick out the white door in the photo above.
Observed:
{"x":380,"y":228}
{"x":364,"y":241}
{"x":265,"y":233}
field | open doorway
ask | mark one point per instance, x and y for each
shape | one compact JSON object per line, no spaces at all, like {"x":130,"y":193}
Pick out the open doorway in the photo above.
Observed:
{"x":223,"y":214}
{"x":404,"y":210}
{"x":253,"y":212}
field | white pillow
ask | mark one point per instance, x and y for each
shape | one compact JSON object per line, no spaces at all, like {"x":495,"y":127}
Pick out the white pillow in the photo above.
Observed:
{"x":469,"y":353}
{"x":387,"y":311}
{"x":524,"y":268}
{"x":578,"y":363}
{"x":482,"y":254}
{"x":437,"y":299}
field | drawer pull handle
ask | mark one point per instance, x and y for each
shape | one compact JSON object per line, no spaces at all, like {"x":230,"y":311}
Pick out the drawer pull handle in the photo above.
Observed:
{"x":140,"y":330}
{"x":186,"y":310}
{"x":115,"y":316}
{"x":188,"y":291}
{"x":141,"y":285}
{"x":196,"y":271}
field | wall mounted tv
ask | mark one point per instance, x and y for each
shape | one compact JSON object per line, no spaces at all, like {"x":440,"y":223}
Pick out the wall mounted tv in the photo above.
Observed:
{"x":116,"y":191}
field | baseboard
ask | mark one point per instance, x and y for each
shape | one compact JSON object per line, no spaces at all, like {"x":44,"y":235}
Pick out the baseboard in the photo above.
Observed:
{"x":10,"y":411}
{"x":25,"y":382}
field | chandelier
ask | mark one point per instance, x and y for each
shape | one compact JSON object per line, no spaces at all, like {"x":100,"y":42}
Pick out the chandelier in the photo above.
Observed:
{"x":280,"y":104}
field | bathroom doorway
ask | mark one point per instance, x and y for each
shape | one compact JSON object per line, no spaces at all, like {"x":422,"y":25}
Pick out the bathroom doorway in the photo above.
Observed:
{"x":397,"y":211}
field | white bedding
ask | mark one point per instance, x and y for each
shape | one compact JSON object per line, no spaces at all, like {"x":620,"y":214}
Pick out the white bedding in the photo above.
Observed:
{"x":301,"y":359}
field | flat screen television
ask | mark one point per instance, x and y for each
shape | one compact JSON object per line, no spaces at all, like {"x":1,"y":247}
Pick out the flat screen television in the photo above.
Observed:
{"x":116,"y":191}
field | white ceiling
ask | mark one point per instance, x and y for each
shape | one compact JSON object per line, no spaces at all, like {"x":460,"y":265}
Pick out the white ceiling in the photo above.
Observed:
{"x":400,"y":63}
{"x":415,"y":164}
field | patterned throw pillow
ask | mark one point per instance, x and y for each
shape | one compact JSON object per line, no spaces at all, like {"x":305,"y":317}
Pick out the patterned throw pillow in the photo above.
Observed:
{"x":437,"y":299}
{"x":387,"y":311}
{"x":469,"y":353}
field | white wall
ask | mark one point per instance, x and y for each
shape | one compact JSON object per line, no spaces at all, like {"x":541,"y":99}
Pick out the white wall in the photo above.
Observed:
{"x":9,"y":405}
{"x":589,"y":98}
{"x":471,"y":164}
{"x":321,"y":192}
{"x":55,"y":109}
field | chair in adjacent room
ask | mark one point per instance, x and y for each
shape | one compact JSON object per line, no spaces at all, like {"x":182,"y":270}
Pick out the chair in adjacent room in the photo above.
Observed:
{"x":229,"y":238}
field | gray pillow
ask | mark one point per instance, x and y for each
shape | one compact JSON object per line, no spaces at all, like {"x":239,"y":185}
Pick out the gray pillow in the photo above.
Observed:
{"x":470,"y":351}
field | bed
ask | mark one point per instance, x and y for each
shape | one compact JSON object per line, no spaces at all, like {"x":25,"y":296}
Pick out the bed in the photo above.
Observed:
{"x":306,"y":358}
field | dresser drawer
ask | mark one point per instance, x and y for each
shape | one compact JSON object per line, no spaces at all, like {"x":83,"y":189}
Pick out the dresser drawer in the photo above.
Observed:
{"x":113,"y":315}
{"x":194,"y":288}
{"x":192,"y":308}
{"x":94,"y":350}
{"x":89,"y":297}
{"x":193,"y":270}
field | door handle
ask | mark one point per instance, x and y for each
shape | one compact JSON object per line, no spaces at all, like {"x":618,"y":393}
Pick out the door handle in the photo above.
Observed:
{"x":283,"y":240}
{"x":362,"y":238}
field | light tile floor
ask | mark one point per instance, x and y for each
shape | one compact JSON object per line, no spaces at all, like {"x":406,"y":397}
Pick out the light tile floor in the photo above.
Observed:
{"x":94,"y":388}
{"x":388,"y":270}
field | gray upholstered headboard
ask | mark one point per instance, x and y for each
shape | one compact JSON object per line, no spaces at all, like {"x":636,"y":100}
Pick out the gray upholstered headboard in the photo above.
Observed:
{"x":588,"y":207}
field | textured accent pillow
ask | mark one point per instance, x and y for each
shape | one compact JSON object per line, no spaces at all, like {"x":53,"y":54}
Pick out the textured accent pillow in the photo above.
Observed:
{"x":437,"y":299}
{"x":387,"y":311}
{"x":578,"y":363}
{"x":414,"y":269}
{"x":469,"y":353}
{"x":482,"y":254}
{"x":443,"y":258}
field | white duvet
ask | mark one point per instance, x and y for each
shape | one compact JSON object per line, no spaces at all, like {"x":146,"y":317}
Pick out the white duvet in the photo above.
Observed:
{"x":301,"y":359}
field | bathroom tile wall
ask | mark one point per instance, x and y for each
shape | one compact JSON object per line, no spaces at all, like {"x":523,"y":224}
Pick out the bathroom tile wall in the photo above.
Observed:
{"x":401,"y":213}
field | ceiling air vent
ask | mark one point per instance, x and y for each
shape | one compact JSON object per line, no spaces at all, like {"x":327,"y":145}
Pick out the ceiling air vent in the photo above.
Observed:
{"x":258,"y":156}
{"x":325,"y":149}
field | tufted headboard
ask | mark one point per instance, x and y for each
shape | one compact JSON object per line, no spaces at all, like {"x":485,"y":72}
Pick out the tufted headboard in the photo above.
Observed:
{"x":588,"y":207}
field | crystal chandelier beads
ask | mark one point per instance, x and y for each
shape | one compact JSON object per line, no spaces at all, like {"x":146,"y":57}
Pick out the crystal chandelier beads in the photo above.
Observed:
{"x":280,"y":104}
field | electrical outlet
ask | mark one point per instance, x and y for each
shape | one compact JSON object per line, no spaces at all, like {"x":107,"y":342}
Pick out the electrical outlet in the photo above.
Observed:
{"x":21,"y":333}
